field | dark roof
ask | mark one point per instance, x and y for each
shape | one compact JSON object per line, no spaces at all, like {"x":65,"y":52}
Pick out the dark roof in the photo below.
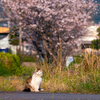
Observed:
{"x":86,"y":42}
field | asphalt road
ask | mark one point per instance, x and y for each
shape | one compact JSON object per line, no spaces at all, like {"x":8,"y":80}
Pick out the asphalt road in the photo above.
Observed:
{"x":46,"y":96}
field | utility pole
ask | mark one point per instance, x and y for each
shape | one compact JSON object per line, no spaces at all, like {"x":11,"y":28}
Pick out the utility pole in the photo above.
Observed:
{"x":20,"y":38}
{"x":9,"y":24}
{"x":9,"y":31}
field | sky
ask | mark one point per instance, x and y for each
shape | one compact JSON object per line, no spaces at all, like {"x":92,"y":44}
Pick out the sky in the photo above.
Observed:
{"x":97,"y":17}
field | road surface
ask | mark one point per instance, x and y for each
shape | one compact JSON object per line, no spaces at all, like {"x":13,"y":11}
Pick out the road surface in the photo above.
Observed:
{"x":46,"y":96}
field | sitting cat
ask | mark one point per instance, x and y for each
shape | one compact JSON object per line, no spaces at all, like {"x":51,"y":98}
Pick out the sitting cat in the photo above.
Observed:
{"x":33,"y":82}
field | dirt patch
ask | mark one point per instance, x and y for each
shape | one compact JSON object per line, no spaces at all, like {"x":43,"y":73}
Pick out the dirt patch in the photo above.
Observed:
{"x":28,"y":64}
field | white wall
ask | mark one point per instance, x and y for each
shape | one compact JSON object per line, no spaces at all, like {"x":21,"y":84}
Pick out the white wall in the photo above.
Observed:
{"x":4,"y":43}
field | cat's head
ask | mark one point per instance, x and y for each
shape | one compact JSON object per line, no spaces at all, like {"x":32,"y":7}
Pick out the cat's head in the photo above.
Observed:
{"x":38,"y":71}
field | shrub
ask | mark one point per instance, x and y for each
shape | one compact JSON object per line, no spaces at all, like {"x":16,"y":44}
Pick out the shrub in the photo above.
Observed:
{"x":10,"y":62}
{"x":4,"y":72}
{"x":95,"y":44}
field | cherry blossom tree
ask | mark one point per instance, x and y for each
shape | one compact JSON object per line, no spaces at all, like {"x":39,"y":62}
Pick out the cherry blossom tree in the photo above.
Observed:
{"x":52,"y":26}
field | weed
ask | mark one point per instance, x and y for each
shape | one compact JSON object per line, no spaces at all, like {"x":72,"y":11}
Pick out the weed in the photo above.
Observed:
{"x":80,"y":77}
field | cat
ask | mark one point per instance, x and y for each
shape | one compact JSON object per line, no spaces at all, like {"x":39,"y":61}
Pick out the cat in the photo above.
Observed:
{"x":33,"y":83}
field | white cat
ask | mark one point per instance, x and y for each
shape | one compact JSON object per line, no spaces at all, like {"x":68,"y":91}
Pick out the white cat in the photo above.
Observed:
{"x":33,"y":82}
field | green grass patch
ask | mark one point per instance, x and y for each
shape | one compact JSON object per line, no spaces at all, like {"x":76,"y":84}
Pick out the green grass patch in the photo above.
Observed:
{"x":27,"y":58}
{"x":11,"y":82}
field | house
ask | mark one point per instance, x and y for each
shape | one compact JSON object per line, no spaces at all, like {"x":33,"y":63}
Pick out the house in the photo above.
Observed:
{"x":4,"y":39}
{"x":91,"y":34}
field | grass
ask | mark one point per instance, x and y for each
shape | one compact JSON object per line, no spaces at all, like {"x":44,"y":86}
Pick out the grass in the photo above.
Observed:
{"x":83,"y":76}
{"x":10,"y":82}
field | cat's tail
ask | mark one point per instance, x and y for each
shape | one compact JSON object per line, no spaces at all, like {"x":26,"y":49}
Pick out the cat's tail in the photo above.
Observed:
{"x":41,"y":89}
{"x":27,"y":90}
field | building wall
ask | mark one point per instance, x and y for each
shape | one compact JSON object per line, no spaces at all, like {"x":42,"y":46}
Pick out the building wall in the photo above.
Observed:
{"x":4,"y":41}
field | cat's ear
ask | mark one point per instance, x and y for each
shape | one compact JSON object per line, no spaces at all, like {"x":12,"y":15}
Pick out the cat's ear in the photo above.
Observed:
{"x":40,"y":69}
{"x":35,"y":69}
